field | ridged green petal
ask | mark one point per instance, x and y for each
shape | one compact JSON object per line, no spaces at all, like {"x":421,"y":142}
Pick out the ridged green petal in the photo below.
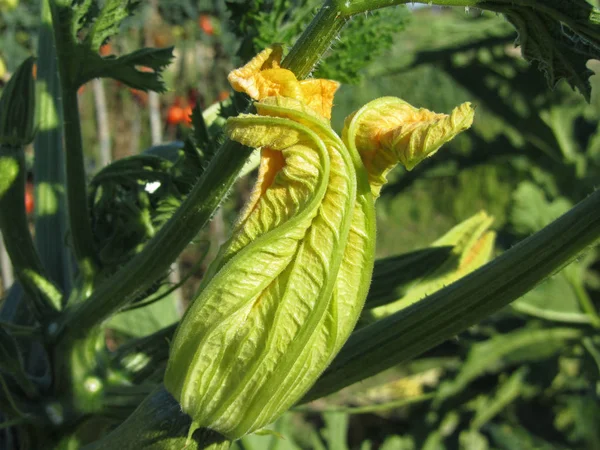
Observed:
{"x":280,"y":302}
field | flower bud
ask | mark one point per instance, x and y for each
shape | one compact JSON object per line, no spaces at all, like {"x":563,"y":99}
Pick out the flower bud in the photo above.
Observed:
{"x":17,"y":107}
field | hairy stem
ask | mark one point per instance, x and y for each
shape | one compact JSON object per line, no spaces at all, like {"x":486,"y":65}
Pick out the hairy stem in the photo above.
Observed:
{"x":352,"y":7}
{"x":315,"y":40}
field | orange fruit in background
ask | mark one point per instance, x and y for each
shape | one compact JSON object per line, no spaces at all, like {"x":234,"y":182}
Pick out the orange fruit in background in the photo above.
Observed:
{"x":223,"y":95}
{"x":29,"y":203}
{"x":205,"y":24}
{"x":105,"y":50}
{"x":175,"y":115}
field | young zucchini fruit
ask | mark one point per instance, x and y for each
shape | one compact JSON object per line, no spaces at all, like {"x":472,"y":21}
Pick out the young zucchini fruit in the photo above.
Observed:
{"x":287,"y":288}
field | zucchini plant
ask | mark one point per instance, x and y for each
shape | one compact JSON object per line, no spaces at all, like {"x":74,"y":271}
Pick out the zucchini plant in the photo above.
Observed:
{"x":273,"y":324}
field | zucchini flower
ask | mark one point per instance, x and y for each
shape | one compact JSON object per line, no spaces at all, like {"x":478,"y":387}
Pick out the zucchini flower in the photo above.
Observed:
{"x":287,"y":288}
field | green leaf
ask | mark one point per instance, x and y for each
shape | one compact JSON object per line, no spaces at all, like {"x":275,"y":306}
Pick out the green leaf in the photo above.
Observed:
{"x":82,"y":27}
{"x":106,"y":23}
{"x":531,"y":210}
{"x":555,"y":299}
{"x":144,"y":321}
{"x":499,"y":352}
{"x":473,"y":440}
{"x":361,"y":42}
{"x":276,"y":437}
{"x":336,"y":430}
{"x":578,"y":418}
{"x":560,"y":35}
{"x":259,"y":23}
{"x":10,"y":357}
{"x":398,"y":443}
{"x":507,"y":392}
{"x":125,"y":68}
{"x":509,"y":437}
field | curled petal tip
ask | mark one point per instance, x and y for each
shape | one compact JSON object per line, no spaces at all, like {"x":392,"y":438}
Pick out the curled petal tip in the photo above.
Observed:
{"x":388,"y":131}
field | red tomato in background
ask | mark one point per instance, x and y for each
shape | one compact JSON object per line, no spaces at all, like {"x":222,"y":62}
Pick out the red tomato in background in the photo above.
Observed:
{"x":205,"y":24}
{"x":29,"y":204}
{"x":175,"y":115}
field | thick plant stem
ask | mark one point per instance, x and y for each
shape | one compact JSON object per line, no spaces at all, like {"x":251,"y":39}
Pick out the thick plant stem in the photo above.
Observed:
{"x":352,"y":7}
{"x":159,"y":424}
{"x":19,"y":244}
{"x":197,"y":209}
{"x":80,"y":226}
{"x":48,"y":165}
{"x":451,"y":310}
{"x":316,"y":40}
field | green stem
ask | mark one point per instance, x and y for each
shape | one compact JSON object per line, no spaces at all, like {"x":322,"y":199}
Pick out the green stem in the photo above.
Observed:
{"x":352,"y":7}
{"x":156,"y":257}
{"x":315,"y":40}
{"x":195,"y":212}
{"x":412,"y":331}
{"x":585,"y":301}
{"x":15,"y":229}
{"x":48,"y":165}
{"x":80,"y":227}
{"x":158,"y":424}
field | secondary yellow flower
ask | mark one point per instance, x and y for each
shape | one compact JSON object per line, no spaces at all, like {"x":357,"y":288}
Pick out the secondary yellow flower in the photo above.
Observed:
{"x":287,"y":288}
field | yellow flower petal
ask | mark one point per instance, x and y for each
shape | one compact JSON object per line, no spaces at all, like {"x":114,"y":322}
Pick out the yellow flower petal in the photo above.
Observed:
{"x":388,"y":131}
{"x":248,"y":79}
{"x":318,"y":95}
{"x":263,"y":77}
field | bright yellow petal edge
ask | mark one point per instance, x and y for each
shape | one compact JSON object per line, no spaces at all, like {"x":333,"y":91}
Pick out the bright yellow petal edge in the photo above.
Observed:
{"x":263,"y":77}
